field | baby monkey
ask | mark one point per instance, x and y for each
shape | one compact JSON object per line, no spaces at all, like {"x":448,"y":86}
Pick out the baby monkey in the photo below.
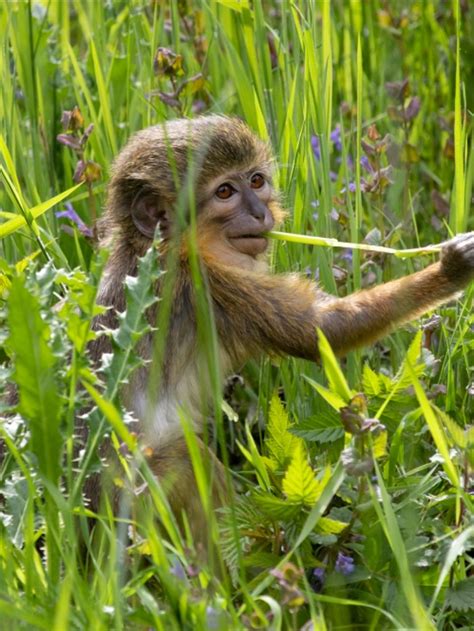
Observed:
{"x":254,"y":311}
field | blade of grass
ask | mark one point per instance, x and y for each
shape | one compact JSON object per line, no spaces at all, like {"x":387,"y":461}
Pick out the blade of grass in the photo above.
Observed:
{"x":394,"y":537}
{"x":458,"y":217}
{"x":11,"y":226}
{"x":329,"y":242}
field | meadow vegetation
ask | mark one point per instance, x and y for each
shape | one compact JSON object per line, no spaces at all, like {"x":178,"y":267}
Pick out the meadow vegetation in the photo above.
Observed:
{"x":354,"y":505}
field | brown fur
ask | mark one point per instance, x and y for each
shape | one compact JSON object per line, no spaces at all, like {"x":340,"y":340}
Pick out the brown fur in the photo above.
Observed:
{"x":254,"y":312}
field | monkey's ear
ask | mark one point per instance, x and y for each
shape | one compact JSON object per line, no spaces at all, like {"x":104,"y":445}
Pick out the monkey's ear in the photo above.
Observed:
{"x":147,"y":213}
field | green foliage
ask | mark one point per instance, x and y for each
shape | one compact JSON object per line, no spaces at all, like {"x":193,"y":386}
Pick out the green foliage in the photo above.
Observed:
{"x":132,"y":324}
{"x":461,"y":597}
{"x":353,"y":505}
{"x":299,"y":484}
{"x":35,"y":376}
{"x":281,"y":444}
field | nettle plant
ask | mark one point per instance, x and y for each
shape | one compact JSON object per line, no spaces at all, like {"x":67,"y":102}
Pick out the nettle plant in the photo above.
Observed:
{"x":49,"y":383}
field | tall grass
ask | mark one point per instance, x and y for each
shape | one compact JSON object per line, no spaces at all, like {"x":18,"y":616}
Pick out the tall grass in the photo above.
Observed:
{"x":334,"y":524}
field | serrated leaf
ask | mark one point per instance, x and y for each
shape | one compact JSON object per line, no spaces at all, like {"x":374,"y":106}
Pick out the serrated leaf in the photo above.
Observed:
{"x":35,"y":377}
{"x":371,"y":383}
{"x":264,"y":560}
{"x":281,"y":444}
{"x":140,"y":296}
{"x":276,"y":508}
{"x":299,"y":483}
{"x":270,"y":464}
{"x":461,"y":596}
{"x":322,"y":428}
{"x":411,"y":364}
{"x":329,"y":526}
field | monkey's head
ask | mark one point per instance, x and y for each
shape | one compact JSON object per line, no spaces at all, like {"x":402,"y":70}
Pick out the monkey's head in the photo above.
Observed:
{"x":229,"y":171}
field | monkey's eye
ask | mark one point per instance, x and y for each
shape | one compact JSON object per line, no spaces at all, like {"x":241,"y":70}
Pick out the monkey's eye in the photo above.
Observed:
{"x":225,"y":191}
{"x":257,"y":180}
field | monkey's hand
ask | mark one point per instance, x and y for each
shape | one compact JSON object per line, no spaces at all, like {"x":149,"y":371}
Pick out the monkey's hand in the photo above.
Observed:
{"x":457,"y":259}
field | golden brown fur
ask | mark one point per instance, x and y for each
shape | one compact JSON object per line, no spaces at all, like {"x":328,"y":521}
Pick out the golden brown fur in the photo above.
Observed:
{"x":254,"y":311}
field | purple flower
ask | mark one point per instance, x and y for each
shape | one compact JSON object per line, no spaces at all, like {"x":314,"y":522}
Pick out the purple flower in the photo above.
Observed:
{"x":177,"y":570}
{"x":316,"y":146}
{"x":316,"y":579}
{"x":351,"y":187}
{"x":344,"y":564}
{"x":335,"y":137}
{"x":71,"y":214}
{"x":365,"y":163}
{"x":347,"y":255}
{"x":319,"y":573}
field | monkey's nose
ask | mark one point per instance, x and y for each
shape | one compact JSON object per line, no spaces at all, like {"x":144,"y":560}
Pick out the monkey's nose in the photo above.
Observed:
{"x":257,"y":209}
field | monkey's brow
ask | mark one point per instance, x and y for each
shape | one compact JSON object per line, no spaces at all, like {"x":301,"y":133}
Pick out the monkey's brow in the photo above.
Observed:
{"x":241,"y":175}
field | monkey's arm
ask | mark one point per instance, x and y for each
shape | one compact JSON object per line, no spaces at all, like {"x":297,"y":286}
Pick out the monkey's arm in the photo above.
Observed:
{"x":280,"y":314}
{"x":368,"y":315}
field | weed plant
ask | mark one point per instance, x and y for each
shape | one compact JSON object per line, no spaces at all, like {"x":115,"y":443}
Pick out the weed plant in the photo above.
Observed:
{"x":354,"y":505}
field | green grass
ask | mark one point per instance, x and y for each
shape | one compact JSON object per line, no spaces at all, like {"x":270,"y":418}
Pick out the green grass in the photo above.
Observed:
{"x":346,"y":527}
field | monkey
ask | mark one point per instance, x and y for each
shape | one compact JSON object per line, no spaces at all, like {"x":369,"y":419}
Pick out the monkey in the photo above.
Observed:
{"x":254,"y":311}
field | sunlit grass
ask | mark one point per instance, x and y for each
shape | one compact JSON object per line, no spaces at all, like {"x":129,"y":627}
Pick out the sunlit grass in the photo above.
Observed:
{"x":311,"y":78}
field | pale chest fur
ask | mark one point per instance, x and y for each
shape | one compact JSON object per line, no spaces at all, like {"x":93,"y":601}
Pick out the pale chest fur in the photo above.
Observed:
{"x":183,"y":397}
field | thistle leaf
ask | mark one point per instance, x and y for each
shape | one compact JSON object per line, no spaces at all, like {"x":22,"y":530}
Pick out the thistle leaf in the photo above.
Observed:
{"x":299,"y":483}
{"x":40,"y":403}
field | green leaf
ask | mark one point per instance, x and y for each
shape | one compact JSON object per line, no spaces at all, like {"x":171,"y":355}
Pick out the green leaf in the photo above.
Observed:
{"x":235,"y":5}
{"x":436,"y":430}
{"x":35,"y":364}
{"x":330,"y":526}
{"x":379,"y":449}
{"x":264,"y":560}
{"x":457,"y":547}
{"x":458,"y":435}
{"x":276,"y":508}
{"x":256,"y":460}
{"x":371,"y":384}
{"x":325,"y":427}
{"x":133,"y":324}
{"x":281,"y":444}
{"x":113,"y":416}
{"x":461,"y":596}
{"x":19,"y":221}
{"x":411,"y":363}
{"x":332,"y":482}
{"x":334,"y":400}
{"x":334,"y":374}
{"x":299,"y":483}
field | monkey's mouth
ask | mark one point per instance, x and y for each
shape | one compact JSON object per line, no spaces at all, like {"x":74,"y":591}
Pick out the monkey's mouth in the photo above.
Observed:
{"x":251,"y":244}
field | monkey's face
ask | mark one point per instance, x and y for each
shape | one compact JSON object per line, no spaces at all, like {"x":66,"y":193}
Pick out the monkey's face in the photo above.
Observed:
{"x":231,"y":179}
{"x":235,"y":216}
